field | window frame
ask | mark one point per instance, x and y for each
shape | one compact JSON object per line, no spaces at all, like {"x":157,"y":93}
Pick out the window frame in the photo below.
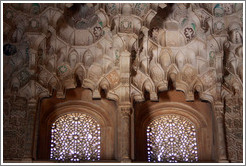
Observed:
{"x":204,"y":128}
{"x":166,"y":115}
{"x":68,"y":115}
{"x":107,"y":141}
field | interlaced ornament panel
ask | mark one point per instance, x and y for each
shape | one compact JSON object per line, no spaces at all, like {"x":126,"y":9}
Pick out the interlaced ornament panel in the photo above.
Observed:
{"x":75,"y":137}
{"x":172,"y":138}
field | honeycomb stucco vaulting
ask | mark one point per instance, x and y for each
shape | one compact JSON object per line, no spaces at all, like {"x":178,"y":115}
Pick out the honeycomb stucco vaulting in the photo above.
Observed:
{"x":125,"y":50}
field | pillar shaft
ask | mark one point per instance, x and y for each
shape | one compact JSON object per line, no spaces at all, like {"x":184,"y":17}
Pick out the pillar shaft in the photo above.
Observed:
{"x":31,"y":113}
{"x":220,"y":134}
{"x":124,"y":134}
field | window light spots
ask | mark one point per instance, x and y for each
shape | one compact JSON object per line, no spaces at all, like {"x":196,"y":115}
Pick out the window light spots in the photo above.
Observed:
{"x":172,"y":138}
{"x":75,"y":137}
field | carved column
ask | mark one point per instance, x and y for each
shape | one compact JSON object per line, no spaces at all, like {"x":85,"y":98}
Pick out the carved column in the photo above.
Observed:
{"x":125,"y":110}
{"x":31,"y":112}
{"x":36,"y":130}
{"x":220,"y":133}
{"x":124,"y":133}
{"x":30,"y":121}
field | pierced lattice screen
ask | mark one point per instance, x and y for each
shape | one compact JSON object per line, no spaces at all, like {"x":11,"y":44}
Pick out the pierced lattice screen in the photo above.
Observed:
{"x":172,"y":138}
{"x":75,"y":137}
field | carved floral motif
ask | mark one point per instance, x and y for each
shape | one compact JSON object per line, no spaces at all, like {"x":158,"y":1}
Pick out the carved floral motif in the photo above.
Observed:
{"x":113,"y":78}
{"x":189,"y":33}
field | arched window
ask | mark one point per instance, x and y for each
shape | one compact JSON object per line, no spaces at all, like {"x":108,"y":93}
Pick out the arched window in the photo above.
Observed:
{"x":172,"y":138}
{"x":75,"y":137}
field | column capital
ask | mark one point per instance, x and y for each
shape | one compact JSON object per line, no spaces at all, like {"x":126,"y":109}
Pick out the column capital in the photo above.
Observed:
{"x":125,"y":111}
{"x":219,"y":111}
{"x":32,"y":103}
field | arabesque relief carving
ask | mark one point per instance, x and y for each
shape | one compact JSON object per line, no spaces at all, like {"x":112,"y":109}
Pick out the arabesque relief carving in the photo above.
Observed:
{"x":198,"y":48}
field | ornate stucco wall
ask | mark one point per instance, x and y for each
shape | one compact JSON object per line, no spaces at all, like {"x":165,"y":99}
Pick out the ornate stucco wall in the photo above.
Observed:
{"x":125,"y":51}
